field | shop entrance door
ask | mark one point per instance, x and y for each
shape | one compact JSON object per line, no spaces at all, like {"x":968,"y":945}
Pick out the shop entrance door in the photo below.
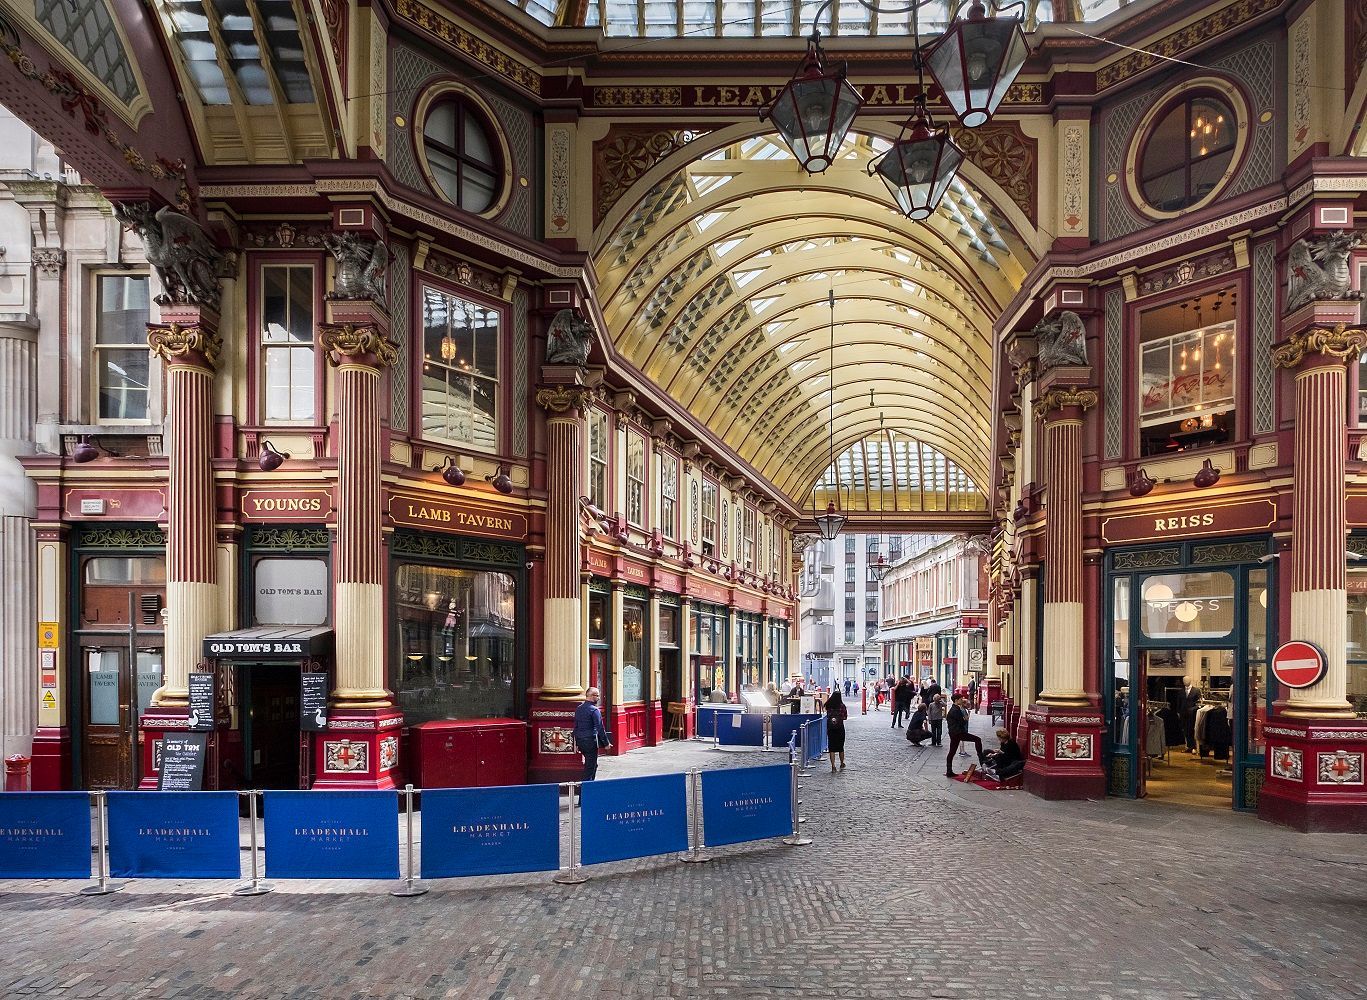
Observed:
{"x":272,"y":745}
{"x":114,"y":697}
{"x":1184,"y":729}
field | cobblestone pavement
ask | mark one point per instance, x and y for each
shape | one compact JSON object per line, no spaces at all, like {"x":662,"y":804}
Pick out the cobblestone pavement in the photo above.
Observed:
{"x":915,"y":886}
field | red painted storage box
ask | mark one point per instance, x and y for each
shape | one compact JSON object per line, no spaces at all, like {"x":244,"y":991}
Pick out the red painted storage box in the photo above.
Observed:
{"x":468,"y":753}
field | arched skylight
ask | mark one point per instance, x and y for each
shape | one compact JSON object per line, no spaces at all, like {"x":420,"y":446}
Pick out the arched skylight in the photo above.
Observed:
{"x":894,"y":472}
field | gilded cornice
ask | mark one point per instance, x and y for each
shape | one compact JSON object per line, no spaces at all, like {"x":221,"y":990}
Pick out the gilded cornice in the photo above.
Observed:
{"x":185,"y":346}
{"x":1341,"y":342}
{"x":1063,"y":397}
{"x":357,"y":343}
{"x":564,"y":398}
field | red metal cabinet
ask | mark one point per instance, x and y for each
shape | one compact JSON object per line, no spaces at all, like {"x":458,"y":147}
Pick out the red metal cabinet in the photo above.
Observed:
{"x":469,"y":753}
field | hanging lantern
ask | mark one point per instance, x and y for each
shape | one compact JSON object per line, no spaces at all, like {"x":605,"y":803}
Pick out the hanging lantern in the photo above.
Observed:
{"x":828,"y":525}
{"x":976,"y":61}
{"x":919,"y":166}
{"x":815,"y":110}
{"x":880,"y":569}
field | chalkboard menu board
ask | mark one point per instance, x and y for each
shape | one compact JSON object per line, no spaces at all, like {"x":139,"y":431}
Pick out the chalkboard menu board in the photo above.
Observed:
{"x":313,"y":702}
{"x":201,"y":703}
{"x":182,"y":762}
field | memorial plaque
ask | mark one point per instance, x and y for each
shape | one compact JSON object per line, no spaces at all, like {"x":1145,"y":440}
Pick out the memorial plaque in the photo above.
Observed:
{"x":182,"y":762}
{"x":201,"y":703}
{"x":313,"y":702}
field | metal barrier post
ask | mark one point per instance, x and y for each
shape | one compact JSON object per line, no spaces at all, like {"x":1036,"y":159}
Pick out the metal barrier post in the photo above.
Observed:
{"x":806,"y":728}
{"x":571,"y":875}
{"x":257,"y":888}
{"x":411,"y":886}
{"x":695,"y":855}
{"x":796,"y":840}
{"x":104,"y":887}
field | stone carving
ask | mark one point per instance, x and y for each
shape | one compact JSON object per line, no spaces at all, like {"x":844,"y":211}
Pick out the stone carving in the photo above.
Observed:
{"x":1318,"y":269}
{"x":192,"y":346}
{"x":186,"y":260}
{"x":1062,"y":398}
{"x":49,"y":260}
{"x":361,"y":266}
{"x":357,"y":343}
{"x":564,"y":398}
{"x":1062,"y":341}
{"x":1342,"y":342}
{"x":569,"y":339}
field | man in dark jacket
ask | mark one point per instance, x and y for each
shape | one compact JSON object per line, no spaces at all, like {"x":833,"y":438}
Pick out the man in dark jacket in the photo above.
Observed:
{"x":901,"y":701}
{"x":958,"y":733}
{"x":589,"y":734}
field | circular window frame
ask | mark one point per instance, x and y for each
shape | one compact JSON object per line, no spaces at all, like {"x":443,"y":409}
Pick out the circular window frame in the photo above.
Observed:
{"x":1189,"y":90}
{"x":434,"y":95}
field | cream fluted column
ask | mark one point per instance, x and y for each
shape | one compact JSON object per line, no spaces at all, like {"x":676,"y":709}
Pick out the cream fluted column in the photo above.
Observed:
{"x":563,"y":668}
{"x":1318,"y":357}
{"x":360,"y":352}
{"x":1061,"y":409}
{"x":18,"y":621}
{"x":189,"y":346}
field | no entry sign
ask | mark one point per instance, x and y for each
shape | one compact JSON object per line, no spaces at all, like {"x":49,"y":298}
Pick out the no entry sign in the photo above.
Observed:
{"x":1298,"y":664}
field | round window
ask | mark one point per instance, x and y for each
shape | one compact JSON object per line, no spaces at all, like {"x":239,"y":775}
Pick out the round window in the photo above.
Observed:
{"x":1188,"y":152}
{"x":462,"y":154}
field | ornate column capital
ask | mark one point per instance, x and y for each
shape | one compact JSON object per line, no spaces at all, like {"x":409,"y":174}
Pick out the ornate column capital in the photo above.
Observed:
{"x":185,"y":345}
{"x":357,"y":344}
{"x":1340,"y":344}
{"x":1065,"y":397}
{"x":49,"y":261}
{"x":559,"y":400}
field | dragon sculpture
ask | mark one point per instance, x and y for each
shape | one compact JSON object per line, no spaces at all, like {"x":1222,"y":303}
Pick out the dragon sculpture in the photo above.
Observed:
{"x":1062,"y":341}
{"x":361,"y":266}
{"x":185,"y":258}
{"x":569,"y":339}
{"x":1318,"y":269}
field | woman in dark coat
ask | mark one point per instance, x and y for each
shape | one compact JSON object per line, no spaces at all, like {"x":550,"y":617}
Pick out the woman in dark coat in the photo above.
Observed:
{"x":835,"y":729}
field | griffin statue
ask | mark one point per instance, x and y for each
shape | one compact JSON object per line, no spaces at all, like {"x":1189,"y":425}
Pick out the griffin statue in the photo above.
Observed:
{"x":360,"y":266}
{"x":1318,"y":269}
{"x":1062,"y":341}
{"x":569,"y":339}
{"x":186,"y":260}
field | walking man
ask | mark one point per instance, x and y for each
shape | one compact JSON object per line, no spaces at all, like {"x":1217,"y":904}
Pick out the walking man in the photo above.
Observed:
{"x":958,"y":733}
{"x":589,"y":734}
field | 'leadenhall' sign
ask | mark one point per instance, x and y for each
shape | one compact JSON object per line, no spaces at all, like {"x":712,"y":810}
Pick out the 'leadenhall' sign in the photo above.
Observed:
{"x":458,"y":518}
{"x":1190,"y":521}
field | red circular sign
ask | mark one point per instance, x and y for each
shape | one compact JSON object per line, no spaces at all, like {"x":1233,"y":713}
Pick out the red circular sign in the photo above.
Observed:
{"x":1298,"y":664}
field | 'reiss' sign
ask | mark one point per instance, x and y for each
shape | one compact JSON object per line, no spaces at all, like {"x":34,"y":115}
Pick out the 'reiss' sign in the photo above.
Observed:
{"x":457,"y":518}
{"x":1190,"y":521}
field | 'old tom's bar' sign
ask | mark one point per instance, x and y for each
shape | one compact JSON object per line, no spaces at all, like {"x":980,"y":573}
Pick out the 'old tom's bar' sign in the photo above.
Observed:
{"x":458,"y":518}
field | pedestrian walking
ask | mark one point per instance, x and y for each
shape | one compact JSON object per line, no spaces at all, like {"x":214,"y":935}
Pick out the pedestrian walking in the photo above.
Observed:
{"x":935,"y":713}
{"x":957,"y":718}
{"x":835,"y":729}
{"x":589,"y":734}
{"x":901,"y":702}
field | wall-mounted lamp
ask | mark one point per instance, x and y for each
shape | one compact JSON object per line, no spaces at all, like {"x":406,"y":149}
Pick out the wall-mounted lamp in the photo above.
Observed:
{"x":1139,"y":483}
{"x":452,"y":473}
{"x":501,"y":481}
{"x":84,"y":451}
{"x":270,"y":459}
{"x":1207,"y":476}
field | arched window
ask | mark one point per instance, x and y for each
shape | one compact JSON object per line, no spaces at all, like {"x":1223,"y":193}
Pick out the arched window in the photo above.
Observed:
{"x":1187,"y":154}
{"x":462,"y":154}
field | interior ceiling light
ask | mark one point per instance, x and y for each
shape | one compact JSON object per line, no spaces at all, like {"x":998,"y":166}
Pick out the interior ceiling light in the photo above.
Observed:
{"x":828,"y":525}
{"x":815,"y":109}
{"x":975,"y":62}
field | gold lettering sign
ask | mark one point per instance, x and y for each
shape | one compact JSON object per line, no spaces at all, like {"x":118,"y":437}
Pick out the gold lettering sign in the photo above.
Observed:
{"x":1197,"y":522}
{"x":462,"y":519}
{"x":286,"y":505}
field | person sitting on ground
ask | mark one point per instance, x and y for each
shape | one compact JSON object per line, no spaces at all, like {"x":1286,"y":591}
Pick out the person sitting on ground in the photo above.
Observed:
{"x":1006,"y":762}
{"x":917,"y":732}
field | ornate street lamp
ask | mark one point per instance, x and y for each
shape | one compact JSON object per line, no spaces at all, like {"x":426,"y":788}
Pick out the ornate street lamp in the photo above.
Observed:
{"x":920,"y":165}
{"x":976,"y":61}
{"x":815,"y":110}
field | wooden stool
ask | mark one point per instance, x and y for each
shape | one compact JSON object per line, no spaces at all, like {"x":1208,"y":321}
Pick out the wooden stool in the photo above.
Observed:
{"x":677,"y":712}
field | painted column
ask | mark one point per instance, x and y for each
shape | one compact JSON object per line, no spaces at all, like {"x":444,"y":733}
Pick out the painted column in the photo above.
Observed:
{"x":18,"y":613}
{"x":189,"y":346}
{"x":1025,"y":651}
{"x":1316,"y":748}
{"x":1064,"y":754}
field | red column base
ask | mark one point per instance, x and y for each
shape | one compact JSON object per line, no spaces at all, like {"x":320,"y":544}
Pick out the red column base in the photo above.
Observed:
{"x":51,"y":759}
{"x":988,"y":692}
{"x":553,"y":756}
{"x":1063,"y":753}
{"x":627,"y":726}
{"x":1315,"y":774}
{"x":359,"y":750}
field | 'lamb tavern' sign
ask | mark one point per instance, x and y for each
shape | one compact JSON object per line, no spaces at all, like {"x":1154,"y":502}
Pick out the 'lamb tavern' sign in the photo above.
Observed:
{"x":457,"y":518}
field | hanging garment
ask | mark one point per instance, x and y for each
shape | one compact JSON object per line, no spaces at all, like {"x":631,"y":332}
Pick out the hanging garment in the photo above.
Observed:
{"x":1219,"y":735}
{"x":1155,"y":741}
{"x":1172,"y":726}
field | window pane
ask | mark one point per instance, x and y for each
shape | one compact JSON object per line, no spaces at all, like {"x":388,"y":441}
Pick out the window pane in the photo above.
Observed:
{"x":478,"y":190}
{"x":123,"y":389}
{"x":303,"y":372}
{"x":149,"y":678}
{"x":103,"y":668}
{"x":1187,"y":604}
{"x":278,"y":378}
{"x":122,"y":309}
{"x":477,"y":145}
{"x":460,"y":370}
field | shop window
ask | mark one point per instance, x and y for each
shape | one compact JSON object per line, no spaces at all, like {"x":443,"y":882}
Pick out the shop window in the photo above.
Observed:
{"x":290,"y":591}
{"x":633,"y":651}
{"x":598,"y":460}
{"x":1256,"y":652}
{"x":1120,"y":660}
{"x":1187,"y":605}
{"x":288,"y":369}
{"x":462,"y":154}
{"x":1357,"y":641}
{"x":122,"y":359}
{"x":454,"y":629}
{"x":636,"y":477}
{"x":669,"y":626}
{"x":598,"y":618}
{"x":669,"y":496}
{"x":459,"y":371}
{"x":1187,"y":374}
{"x":1187,"y":154}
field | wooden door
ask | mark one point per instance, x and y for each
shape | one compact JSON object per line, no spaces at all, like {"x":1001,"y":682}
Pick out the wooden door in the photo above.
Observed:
{"x":109,"y":724}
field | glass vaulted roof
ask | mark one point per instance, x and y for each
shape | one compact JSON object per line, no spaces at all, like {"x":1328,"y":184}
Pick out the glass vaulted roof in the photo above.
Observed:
{"x":893,"y":472}
{"x":785,"y":18}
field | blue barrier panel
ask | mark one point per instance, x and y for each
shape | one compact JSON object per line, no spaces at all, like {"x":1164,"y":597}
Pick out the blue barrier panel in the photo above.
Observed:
{"x":746,"y":803}
{"x":740,"y":730}
{"x":332,"y":834}
{"x":711,"y":717}
{"x":633,"y":817}
{"x":786,"y":723}
{"x":45,"y":835}
{"x":173,"y":835}
{"x":490,"y":831}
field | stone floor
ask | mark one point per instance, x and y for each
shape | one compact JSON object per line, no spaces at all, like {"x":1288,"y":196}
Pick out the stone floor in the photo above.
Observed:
{"x":915,"y":886}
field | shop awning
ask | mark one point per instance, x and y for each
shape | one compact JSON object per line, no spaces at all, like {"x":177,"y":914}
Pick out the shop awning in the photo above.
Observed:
{"x":272,"y":642}
{"x":915,"y":629}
